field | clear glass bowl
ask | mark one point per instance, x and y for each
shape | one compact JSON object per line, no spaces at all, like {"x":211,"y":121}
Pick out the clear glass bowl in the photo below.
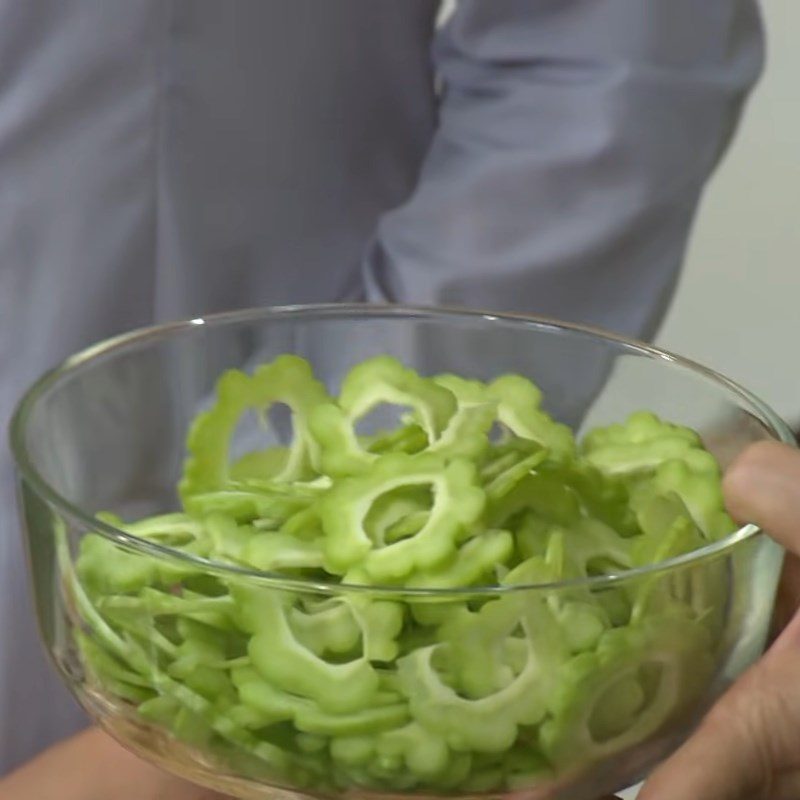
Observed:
{"x":106,"y":432}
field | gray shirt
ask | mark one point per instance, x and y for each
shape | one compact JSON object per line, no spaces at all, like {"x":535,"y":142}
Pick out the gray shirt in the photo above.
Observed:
{"x":169,"y":158}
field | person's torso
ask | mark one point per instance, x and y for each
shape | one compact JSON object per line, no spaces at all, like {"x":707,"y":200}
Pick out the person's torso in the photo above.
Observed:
{"x":170,"y":158}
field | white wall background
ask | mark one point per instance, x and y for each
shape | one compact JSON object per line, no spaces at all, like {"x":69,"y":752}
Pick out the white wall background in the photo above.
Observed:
{"x":738,"y":305}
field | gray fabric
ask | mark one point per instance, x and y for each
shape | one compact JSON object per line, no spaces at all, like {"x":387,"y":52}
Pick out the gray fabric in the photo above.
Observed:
{"x":169,"y":158}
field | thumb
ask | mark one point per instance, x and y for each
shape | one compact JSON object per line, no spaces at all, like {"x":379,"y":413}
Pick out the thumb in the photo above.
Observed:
{"x":762,"y":486}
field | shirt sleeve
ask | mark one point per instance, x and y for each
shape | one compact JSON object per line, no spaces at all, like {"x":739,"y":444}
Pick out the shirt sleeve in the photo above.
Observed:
{"x":574,"y":139}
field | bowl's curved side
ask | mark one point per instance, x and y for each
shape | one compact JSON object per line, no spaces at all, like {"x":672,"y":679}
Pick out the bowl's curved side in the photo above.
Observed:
{"x":546,"y":715}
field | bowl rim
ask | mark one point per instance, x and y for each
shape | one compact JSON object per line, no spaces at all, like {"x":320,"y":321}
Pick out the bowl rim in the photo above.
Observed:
{"x":27,"y":472}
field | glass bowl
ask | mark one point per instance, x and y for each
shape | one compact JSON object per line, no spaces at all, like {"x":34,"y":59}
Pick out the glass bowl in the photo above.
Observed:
{"x":234,"y":700}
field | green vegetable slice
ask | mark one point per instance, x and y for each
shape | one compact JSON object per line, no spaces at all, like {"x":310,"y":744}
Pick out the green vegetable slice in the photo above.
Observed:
{"x":457,"y":503}
{"x":519,"y":409}
{"x":638,"y":680}
{"x":380,"y":380}
{"x":640,"y":444}
{"x":285,"y":662}
{"x":288,"y":379}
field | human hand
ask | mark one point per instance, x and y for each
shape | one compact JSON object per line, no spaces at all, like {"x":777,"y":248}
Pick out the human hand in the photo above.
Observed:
{"x":92,"y":766}
{"x":748,"y":747}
